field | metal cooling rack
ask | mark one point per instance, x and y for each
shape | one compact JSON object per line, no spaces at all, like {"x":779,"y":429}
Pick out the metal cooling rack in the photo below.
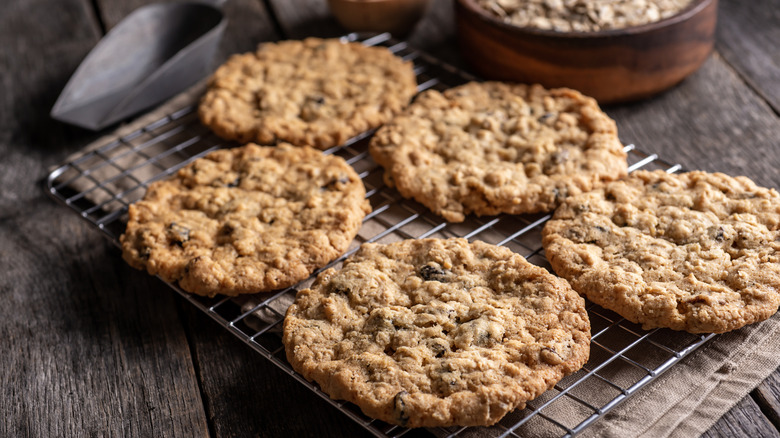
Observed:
{"x":99,"y":184}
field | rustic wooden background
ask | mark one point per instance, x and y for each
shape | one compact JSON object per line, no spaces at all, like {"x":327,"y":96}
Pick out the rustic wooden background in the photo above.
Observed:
{"x":90,"y":346}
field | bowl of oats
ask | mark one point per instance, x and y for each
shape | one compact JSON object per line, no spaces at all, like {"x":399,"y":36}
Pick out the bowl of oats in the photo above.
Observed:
{"x":612,"y":50}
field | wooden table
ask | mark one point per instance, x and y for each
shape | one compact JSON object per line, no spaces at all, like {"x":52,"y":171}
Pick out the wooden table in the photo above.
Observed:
{"x":91,"y":346}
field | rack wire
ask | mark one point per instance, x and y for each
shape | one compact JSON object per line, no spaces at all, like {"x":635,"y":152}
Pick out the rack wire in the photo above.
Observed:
{"x":100,"y":183}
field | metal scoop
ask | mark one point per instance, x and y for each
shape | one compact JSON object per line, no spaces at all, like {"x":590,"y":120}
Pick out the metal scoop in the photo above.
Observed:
{"x":154,"y":53}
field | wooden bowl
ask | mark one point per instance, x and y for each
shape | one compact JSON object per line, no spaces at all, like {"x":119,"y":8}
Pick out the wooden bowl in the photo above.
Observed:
{"x":612,"y":65}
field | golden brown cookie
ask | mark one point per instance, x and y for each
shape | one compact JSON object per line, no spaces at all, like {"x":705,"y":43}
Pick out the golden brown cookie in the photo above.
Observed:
{"x":246,"y":220}
{"x":437,"y":332}
{"x":313,"y":92}
{"x":697,"y":251}
{"x":494,"y":147}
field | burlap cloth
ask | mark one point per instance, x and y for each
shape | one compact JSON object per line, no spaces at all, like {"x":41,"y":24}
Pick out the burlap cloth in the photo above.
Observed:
{"x":685,"y":401}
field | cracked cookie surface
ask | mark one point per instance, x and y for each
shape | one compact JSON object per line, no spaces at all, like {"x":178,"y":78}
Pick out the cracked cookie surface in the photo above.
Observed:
{"x":698,"y":252}
{"x":245,"y":220}
{"x":437,"y":332}
{"x":314,"y":92}
{"x":493,"y":147}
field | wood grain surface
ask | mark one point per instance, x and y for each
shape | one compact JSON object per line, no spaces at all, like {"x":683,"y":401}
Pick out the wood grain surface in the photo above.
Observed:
{"x":93,"y":347}
{"x":768,"y":396}
{"x":711,"y":121}
{"x":88,"y":347}
{"x":752,"y":53}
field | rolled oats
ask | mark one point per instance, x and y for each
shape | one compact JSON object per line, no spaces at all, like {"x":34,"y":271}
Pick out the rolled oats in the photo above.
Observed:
{"x":582,"y":15}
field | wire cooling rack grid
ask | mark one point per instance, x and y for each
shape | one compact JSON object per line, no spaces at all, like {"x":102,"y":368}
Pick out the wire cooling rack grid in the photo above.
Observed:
{"x":100,"y":184}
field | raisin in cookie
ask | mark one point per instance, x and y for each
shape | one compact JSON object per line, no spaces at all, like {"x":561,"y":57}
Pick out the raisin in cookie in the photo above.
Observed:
{"x":493,"y":147}
{"x":437,"y":332}
{"x":313,"y":92}
{"x":698,"y":252}
{"x":246,"y":220}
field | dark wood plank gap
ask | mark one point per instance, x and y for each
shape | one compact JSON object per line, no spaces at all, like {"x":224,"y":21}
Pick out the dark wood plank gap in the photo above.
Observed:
{"x":274,"y":19}
{"x":767,"y":396}
{"x":98,"y":18}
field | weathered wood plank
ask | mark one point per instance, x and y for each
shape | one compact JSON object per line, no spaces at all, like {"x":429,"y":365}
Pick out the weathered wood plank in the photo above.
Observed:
{"x":755,"y":54}
{"x":246,"y":395}
{"x":90,"y":348}
{"x":712,"y":121}
{"x":35,"y":65}
{"x":96,"y":348}
{"x":767,"y":395}
{"x":744,"y":419}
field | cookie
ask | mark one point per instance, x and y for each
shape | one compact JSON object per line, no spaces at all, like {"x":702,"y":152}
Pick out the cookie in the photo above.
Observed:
{"x":698,"y":252}
{"x":494,"y":147}
{"x":313,"y":92}
{"x":246,"y":220}
{"x":437,"y":332}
